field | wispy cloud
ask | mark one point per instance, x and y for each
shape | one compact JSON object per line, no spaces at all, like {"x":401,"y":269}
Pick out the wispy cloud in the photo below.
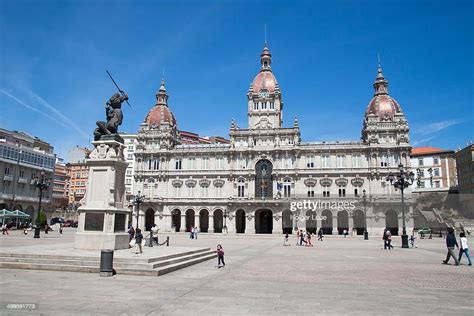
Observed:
{"x":63,"y":118}
{"x":435,"y":127}
{"x":31,"y":108}
{"x":417,"y":142}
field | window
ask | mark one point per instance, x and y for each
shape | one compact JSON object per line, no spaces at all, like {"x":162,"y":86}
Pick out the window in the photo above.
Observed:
{"x":192,"y":163}
{"x":241,"y":188}
{"x":286,"y":188}
{"x":156,"y":164}
{"x":129,"y":172}
{"x":22,"y":173}
{"x":422,"y":184}
{"x":177,"y":191}
{"x":205,"y":191}
{"x":383,"y":161}
{"x":435,"y":161}
{"x":150,"y":164}
{"x":325,"y":162}
{"x":128,"y":181}
{"x":130,"y":157}
{"x":205,"y":163}
{"x":342,"y":192}
{"x":356,"y":192}
{"x":341,"y":161}
{"x":436,"y":172}
{"x":220,"y":163}
{"x":420,"y":161}
{"x":356,"y":161}
{"x":178,"y":164}
{"x":310,"y":161}
{"x":437,"y":184}
{"x":326,"y":193}
{"x":130,"y":147}
{"x":310,"y":193}
{"x":219,"y":191}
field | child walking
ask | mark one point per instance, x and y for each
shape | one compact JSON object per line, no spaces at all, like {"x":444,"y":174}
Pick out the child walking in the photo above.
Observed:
{"x":220,"y":256}
{"x":286,"y":241}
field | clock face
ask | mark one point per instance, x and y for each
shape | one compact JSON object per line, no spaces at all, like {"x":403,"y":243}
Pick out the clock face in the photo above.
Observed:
{"x":263,"y":93}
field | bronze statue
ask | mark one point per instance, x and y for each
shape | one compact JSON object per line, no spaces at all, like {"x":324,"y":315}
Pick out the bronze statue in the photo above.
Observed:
{"x":114,"y":115}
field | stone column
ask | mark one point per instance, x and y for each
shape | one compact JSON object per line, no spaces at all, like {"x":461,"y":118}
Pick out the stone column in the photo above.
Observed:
{"x":183,"y":222}
{"x":210,"y":223}
{"x":400,"y":222}
{"x":231,"y":224}
{"x":277,"y":226}
{"x":104,"y":216}
{"x":351,"y":224}
{"x":335,"y":231}
{"x":250,"y":224}
{"x":319,"y":222}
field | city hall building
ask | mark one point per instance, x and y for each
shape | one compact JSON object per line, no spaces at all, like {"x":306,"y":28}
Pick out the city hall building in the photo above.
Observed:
{"x":253,"y":184}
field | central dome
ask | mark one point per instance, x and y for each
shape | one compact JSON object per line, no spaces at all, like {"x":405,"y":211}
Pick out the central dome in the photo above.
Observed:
{"x":384,"y":106}
{"x":265,"y":80}
{"x":159,"y":115}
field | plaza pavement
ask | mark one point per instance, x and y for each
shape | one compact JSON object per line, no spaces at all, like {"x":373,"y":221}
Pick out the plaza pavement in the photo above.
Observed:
{"x":337,"y":276}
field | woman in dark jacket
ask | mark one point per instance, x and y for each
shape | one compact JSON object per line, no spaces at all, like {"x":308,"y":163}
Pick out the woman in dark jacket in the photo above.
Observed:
{"x":138,"y":240}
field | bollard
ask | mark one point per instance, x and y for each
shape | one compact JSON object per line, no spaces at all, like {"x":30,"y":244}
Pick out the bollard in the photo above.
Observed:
{"x":106,"y":263}
{"x":167,"y":241}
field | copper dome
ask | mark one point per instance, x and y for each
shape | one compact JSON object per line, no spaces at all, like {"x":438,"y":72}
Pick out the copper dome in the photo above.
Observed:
{"x":384,"y":106}
{"x":159,"y":115}
{"x":265,"y":80}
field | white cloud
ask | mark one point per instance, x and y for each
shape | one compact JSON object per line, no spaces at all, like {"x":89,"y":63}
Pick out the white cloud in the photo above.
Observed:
{"x":31,"y":108}
{"x":435,"y":127}
{"x":417,"y":142}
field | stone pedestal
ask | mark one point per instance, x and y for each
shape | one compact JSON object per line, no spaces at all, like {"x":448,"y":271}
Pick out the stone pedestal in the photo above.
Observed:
{"x":103,"y":217}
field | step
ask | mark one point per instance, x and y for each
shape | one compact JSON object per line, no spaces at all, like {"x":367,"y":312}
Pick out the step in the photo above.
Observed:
{"x":184,"y":264}
{"x":175,"y":260}
{"x":51,"y":267}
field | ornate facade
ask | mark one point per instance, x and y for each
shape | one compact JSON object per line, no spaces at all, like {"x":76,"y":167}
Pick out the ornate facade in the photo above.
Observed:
{"x":254,"y":184}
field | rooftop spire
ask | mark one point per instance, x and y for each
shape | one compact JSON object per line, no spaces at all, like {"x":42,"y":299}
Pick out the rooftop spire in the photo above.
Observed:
{"x":380,"y":84}
{"x":161,"y":96}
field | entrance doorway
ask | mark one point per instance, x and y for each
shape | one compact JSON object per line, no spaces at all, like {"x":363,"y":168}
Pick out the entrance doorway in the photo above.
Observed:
{"x":218,"y":222}
{"x":359,"y":224}
{"x":391,"y":222}
{"x":263,"y":222}
{"x":149,"y":219}
{"x":326,"y":222}
{"x":287,"y":222}
{"x":311,"y":222}
{"x":176,"y":220}
{"x":240,"y":222}
{"x":189,"y":219}
{"x":204,"y":221}
{"x":342,"y":222}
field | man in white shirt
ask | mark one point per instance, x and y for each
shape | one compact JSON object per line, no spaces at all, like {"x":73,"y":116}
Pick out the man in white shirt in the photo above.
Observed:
{"x":154,"y":233}
{"x":464,"y":248}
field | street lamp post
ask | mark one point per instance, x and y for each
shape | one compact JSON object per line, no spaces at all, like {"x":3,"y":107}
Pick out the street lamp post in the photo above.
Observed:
{"x":42,"y":184}
{"x":364,"y":197}
{"x":401,"y":181}
{"x":137,"y":200}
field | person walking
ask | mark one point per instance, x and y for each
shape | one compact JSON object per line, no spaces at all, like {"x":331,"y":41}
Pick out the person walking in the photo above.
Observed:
{"x":450,"y":243}
{"x":308,"y":238}
{"x":464,"y":248}
{"x":384,"y":238}
{"x":131,"y":233}
{"x":320,"y":234}
{"x":138,"y":241}
{"x":298,"y":238}
{"x":302,"y":240}
{"x":154,"y":234}
{"x":220,"y":256}
{"x":389,"y":240}
{"x":5,"y":229}
{"x":61,"y":229}
{"x":344,"y":232}
{"x":286,"y":241}
{"x":196,"y":231}
{"x":191,"y":232}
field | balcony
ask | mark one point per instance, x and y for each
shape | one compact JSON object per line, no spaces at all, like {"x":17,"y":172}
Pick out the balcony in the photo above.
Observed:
{"x":7,"y":178}
{"x":22,"y":180}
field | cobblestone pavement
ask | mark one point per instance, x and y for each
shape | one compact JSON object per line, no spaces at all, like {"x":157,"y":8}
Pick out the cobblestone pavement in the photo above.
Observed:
{"x":336,"y":276}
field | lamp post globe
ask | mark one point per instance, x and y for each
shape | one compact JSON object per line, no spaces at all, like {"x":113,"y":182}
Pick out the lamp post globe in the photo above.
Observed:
{"x":402,"y":180}
{"x":366,"y":233}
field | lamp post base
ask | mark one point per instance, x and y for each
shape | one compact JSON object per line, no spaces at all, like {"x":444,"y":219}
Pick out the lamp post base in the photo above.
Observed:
{"x":405,"y":241}
{"x":37,"y":232}
{"x":366,"y":235}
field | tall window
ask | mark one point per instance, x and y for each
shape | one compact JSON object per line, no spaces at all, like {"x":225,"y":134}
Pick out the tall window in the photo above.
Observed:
{"x":220,"y":163}
{"x":435,"y":161}
{"x":205,"y":191}
{"x":240,"y":188}
{"x":436,"y":172}
{"x":156,"y":164}
{"x":310,"y":162}
{"x":341,"y":161}
{"x":311,"y":193}
{"x":7,"y":170}
{"x":342,"y":192}
{"x":383,"y":161}
{"x":192,"y":163}
{"x":219,"y":192}
{"x":325,"y":162}
{"x":178,"y":164}
{"x":286,"y":188}
{"x":177,"y":191}
{"x":420,"y":161}
{"x":205,"y":163}
{"x":356,"y":192}
{"x":356,"y":161}
{"x":326,"y":192}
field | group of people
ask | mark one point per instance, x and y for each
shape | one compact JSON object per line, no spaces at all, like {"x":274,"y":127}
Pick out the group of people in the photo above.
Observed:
{"x":451,"y":242}
{"x":135,"y":238}
{"x":193,"y":232}
{"x":387,"y":239}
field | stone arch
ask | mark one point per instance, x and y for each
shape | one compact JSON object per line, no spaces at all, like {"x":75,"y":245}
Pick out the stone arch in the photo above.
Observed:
{"x":342,"y":222}
{"x":218,"y":216}
{"x":311,"y":222}
{"x":240,"y":222}
{"x":359,"y":222}
{"x":30,"y":210}
{"x":326,"y":222}
{"x":149,"y":219}
{"x":391,"y":221}
{"x":263,"y":221}
{"x":176,"y":219}
{"x":17,"y":207}
{"x":189,"y":219}
{"x":204,"y":221}
{"x":287,"y":222}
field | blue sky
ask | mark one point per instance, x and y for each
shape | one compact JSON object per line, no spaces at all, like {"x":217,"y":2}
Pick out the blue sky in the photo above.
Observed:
{"x":53,"y":57}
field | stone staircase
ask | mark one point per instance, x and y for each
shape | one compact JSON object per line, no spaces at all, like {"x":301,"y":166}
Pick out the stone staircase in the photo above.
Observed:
{"x":155,"y":266}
